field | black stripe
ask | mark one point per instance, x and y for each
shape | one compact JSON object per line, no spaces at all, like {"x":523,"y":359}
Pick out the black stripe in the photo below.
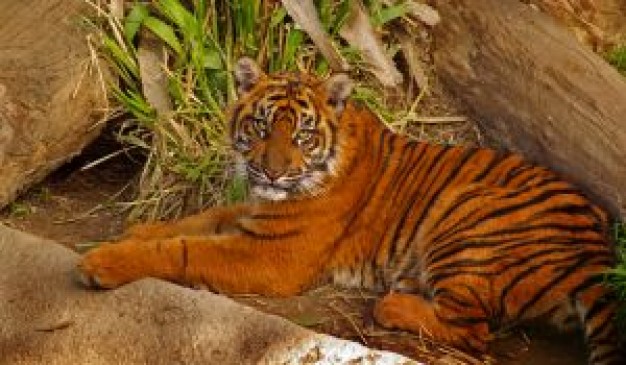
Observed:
{"x":452,"y":247}
{"x":502,"y":246}
{"x":582,"y":209}
{"x":478,"y":263}
{"x":332,"y":153}
{"x":267,"y":236}
{"x":552,"y":283}
{"x":590,"y":281}
{"x":501,"y":310}
{"x":397,"y":186}
{"x":493,"y":214}
{"x":453,"y":173}
{"x":464,"y":321}
{"x":514,"y":171}
{"x":410,"y":203}
{"x":496,"y":158}
{"x":536,"y":200}
{"x":446,"y":294}
{"x":612,"y":357}
{"x":404,"y":170}
{"x":573,"y":229}
{"x":461,"y":200}
{"x":600,"y":329}
{"x":530,"y":177}
{"x":510,"y":194}
{"x":483,"y":306}
{"x":274,"y":215}
{"x":599,"y":305}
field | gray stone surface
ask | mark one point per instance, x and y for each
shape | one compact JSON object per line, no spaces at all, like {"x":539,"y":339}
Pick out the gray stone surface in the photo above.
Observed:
{"x":46,"y":317}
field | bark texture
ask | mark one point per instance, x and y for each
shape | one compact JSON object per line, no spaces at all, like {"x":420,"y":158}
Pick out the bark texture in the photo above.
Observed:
{"x":600,"y":24}
{"x":536,"y":90}
{"x":49,"y":98}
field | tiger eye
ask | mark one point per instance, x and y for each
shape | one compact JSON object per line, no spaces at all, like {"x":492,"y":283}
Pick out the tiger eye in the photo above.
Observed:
{"x":259,"y":123}
{"x":307,"y":122}
{"x":242,"y":143}
{"x":261,"y":127}
{"x":306,"y":139}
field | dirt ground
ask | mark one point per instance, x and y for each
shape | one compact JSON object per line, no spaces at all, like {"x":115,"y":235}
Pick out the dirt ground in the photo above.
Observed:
{"x":77,"y":207}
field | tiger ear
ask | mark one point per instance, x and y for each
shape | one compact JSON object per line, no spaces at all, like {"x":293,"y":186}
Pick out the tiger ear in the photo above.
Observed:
{"x":338,"y":88}
{"x":247,"y":74}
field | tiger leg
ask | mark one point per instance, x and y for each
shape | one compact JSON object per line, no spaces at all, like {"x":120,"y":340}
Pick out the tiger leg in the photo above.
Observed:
{"x":227,"y":264}
{"x":466,"y":329}
{"x":597,"y":315}
{"x":216,"y":220}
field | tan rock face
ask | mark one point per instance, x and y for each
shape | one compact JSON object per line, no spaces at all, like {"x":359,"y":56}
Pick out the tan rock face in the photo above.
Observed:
{"x":49,"y":96}
{"x":46,"y":317}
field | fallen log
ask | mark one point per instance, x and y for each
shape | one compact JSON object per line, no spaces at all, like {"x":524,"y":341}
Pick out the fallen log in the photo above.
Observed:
{"x":535,"y":90}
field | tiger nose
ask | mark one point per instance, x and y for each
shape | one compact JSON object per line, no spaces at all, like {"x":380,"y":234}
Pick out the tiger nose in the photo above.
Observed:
{"x":272,"y":174}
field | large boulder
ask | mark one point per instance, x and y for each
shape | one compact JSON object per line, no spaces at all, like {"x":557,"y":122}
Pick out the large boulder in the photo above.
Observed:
{"x":50,"y":97}
{"x":46,"y":317}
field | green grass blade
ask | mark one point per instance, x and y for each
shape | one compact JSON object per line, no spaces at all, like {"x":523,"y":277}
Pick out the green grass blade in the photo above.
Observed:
{"x":179,"y":15}
{"x":295,"y":37}
{"x":278,"y":17}
{"x":165,"y":32}
{"x":133,"y":21}
{"x":325,"y":12}
{"x":119,"y":56}
{"x":340,"y":18}
{"x":389,"y":13}
{"x":237,"y":190}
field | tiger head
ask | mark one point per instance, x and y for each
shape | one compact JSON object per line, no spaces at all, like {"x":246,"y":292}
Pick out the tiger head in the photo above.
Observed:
{"x":285,"y":128}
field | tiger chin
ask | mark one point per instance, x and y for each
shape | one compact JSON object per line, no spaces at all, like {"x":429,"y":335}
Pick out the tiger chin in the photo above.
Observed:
{"x":459,"y":240}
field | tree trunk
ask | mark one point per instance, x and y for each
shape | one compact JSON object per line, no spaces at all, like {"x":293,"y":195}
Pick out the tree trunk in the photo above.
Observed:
{"x":49,"y":97}
{"x":537,"y":91}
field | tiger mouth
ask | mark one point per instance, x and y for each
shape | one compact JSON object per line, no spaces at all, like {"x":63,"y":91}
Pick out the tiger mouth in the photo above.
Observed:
{"x":270,"y":192}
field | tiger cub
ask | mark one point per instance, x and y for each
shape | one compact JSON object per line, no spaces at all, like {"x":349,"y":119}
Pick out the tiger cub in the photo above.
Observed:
{"x":461,"y":240}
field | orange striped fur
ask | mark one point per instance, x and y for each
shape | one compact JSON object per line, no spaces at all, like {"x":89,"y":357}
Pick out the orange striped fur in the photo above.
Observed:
{"x":462,"y":240}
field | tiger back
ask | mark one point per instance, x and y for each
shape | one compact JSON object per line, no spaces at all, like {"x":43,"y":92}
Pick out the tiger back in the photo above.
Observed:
{"x":459,"y":240}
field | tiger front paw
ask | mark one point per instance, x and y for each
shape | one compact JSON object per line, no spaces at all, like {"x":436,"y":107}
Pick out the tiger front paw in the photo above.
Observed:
{"x":105,"y":267}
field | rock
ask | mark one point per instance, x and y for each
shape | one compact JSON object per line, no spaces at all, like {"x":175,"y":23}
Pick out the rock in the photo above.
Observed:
{"x":46,"y":317}
{"x":50,"y":98}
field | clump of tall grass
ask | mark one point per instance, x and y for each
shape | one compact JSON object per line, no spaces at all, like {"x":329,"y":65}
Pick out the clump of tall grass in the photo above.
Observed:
{"x":188,"y":157}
